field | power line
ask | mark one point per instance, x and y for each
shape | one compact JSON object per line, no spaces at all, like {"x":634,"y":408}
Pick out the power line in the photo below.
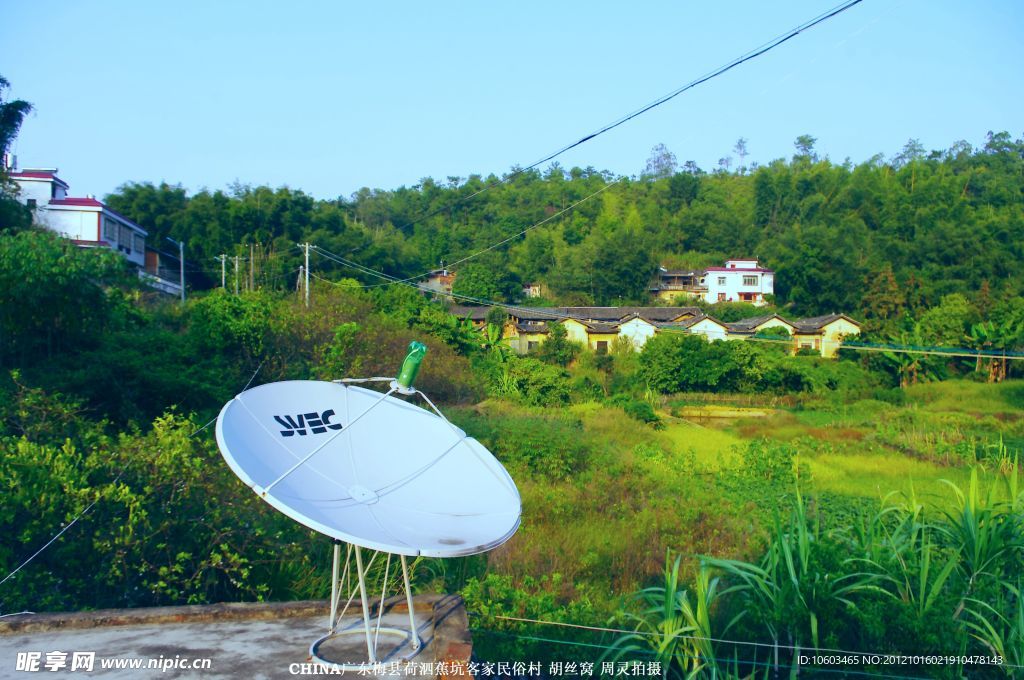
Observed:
{"x":394,"y":280}
{"x":698,"y":656}
{"x":562,"y":316}
{"x":767,"y":645}
{"x":89,"y":507}
{"x":534,"y":226}
{"x":753,"y":54}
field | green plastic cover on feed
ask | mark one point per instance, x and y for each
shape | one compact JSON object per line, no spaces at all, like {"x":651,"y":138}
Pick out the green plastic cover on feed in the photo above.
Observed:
{"x":411,"y":365}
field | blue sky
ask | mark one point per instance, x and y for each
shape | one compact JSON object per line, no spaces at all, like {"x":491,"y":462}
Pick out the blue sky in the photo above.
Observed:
{"x":329,"y":97}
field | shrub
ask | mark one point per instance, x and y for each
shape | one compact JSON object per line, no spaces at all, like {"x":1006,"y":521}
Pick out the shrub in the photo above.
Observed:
{"x":534,"y":382}
{"x":546,"y":446}
{"x":636,"y":409}
{"x":557,"y":349}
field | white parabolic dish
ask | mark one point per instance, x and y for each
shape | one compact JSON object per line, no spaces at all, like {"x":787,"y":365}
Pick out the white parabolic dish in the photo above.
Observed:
{"x":385,"y":475}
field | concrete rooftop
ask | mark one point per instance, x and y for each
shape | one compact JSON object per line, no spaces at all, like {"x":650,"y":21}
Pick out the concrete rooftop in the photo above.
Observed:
{"x":239,"y":640}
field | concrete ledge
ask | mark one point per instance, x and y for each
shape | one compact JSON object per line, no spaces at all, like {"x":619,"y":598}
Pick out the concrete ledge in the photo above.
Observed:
{"x":451,"y":641}
{"x":198,"y":613}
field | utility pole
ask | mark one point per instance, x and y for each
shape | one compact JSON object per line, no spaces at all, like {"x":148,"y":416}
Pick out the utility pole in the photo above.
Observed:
{"x":181,"y":261}
{"x":223,"y":261}
{"x":306,"y":270}
{"x":236,"y":274}
{"x":252,"y":263}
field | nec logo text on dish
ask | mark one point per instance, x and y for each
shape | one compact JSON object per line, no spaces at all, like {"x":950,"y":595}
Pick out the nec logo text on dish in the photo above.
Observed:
{"x":317,"y":423}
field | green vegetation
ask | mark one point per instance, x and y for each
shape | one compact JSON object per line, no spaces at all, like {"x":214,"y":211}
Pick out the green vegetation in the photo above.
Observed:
{"x":871,"y":503}
{"x":611,"y":479}
{"x":881,"y":240}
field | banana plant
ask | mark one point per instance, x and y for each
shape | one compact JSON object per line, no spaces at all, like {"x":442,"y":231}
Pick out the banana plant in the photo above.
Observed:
{"x":911,"y":368}
{"x":494,"y":342}
{"x":991,"y":337}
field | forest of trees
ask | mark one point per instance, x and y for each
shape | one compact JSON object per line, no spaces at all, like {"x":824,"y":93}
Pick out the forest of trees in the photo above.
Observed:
{"x":874,"y":239}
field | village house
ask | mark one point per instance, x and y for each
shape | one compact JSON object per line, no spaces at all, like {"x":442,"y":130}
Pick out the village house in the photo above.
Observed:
{"x":598,"y":328}
{"x":533,"y":290}
{"x":88,"y":222}
{"x":824,"y":333}
{"x":439,"y":281}
{"x":737,"y":281}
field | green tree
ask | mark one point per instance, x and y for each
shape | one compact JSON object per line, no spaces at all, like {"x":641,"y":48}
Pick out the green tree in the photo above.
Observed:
{"x":13,"y":215}
{"x":557,"y":348}
{"x":12,"y":113}
{"x":477,"y":281}
{"x":57,"y":297}
{"x":661,"y":163}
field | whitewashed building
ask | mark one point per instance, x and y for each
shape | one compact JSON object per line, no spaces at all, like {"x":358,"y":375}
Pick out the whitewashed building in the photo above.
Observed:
{"x":90,"y":223}
{"x":737,"y":281}
{"x":87,"y":221}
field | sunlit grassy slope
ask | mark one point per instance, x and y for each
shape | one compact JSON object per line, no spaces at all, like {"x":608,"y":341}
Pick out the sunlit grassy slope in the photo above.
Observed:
{"x":604,"y":495}
{"x":869,"y":448}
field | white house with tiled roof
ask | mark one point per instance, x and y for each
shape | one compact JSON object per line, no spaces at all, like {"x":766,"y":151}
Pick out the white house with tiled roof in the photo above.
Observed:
{"x":87,"y":221}
{"x":737,"y":281}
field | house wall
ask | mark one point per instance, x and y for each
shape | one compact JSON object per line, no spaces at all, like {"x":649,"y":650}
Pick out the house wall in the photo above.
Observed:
{"x":524,"y":340}
{"x":602,"y":337}
{"x":833,"y":335}
{"x":807,"y":340}
{"x":123,"y":238}
{"x":576,"y":331}
{"x":670,"y":296}
{"x":710,"y":330}
{"x":533,"y":290}
{"x":76,"y":224}
{"x":638,"y":331}
{"x":733,"y":285}
{"x":33,"y":188}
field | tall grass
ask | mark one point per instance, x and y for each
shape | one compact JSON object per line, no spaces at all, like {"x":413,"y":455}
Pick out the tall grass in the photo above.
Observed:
{"x":902,"y":579}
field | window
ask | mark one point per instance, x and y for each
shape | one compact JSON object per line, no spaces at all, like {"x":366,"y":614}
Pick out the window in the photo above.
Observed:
{"x":31,"y":203}
{"x":721,"y":297}
{"x":721,"y":280}
{"x":109,"y":229}
{"x":602,"y":347}
{"x":531,"y":345}
{"x":139,"y":243}
{"x":124,"y":238}
{"x":749,"y":280}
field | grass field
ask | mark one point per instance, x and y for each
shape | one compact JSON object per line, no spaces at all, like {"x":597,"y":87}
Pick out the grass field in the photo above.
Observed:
{"x":867,"y":448}
{"x":605,"y":495}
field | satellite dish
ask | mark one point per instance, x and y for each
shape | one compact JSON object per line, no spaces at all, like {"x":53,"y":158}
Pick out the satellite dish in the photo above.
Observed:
{"x":368,"y":469}
{"x":372,"y":470}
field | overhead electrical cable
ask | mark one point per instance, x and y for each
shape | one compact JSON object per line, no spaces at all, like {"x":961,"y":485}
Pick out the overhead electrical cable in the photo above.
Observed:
{"x":753,"y":54}
{"x":395,"y":280}
{"x":89,"y":507}
{"x":555,"y":315}
{"x":683,"y":636}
